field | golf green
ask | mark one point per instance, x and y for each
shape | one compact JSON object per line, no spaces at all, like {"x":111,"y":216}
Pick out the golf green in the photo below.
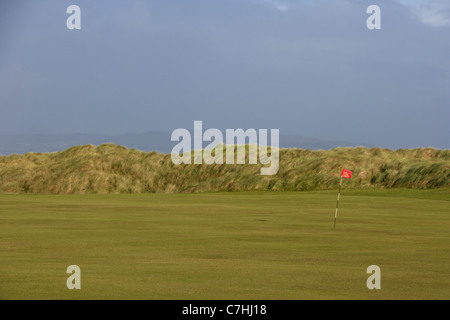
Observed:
{"x":252,"y":245}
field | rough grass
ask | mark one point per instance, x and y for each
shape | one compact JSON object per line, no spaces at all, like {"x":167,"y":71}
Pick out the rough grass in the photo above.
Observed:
{"x":110,"y":168}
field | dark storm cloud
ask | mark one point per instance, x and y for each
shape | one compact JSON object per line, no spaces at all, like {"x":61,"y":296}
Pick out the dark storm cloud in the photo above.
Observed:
{"x":306,"y":67}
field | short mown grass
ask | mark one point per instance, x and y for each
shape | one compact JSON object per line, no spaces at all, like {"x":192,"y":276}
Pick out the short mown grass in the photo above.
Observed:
{"x":240,"y":245}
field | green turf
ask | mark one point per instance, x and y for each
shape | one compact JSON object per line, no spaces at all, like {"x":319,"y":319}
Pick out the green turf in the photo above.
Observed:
{"x":226,"y":245}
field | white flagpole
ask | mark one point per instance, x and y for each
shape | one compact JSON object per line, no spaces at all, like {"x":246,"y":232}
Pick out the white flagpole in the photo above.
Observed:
{"x":337,"y":203}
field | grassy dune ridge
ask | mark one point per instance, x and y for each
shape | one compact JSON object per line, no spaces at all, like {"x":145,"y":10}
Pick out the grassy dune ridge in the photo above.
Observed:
{"x":109,"y":168}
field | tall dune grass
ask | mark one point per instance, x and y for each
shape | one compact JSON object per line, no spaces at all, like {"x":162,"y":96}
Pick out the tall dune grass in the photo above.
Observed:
{"x":110,"y":168}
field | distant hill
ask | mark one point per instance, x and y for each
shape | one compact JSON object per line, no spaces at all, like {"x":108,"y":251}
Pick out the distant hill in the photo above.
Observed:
{"x":149,"y":141}
{"x":109,"y":168}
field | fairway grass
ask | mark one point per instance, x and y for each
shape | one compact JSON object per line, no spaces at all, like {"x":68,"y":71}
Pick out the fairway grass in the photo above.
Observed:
{"x":246,"y":245}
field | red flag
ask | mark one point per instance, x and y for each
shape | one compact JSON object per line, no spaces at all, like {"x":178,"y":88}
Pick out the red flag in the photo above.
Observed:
{"x":346,"y":174}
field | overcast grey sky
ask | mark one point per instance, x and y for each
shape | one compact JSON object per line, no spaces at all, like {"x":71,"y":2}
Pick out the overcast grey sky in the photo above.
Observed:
{"x":306,"y":67}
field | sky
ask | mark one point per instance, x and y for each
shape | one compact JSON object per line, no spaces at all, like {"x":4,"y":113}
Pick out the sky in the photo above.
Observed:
{"x":305,"y":67}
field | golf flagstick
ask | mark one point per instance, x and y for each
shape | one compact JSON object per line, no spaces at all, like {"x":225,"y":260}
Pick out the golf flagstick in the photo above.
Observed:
{"x":345,"y":174}
{"x":337,"y":203}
